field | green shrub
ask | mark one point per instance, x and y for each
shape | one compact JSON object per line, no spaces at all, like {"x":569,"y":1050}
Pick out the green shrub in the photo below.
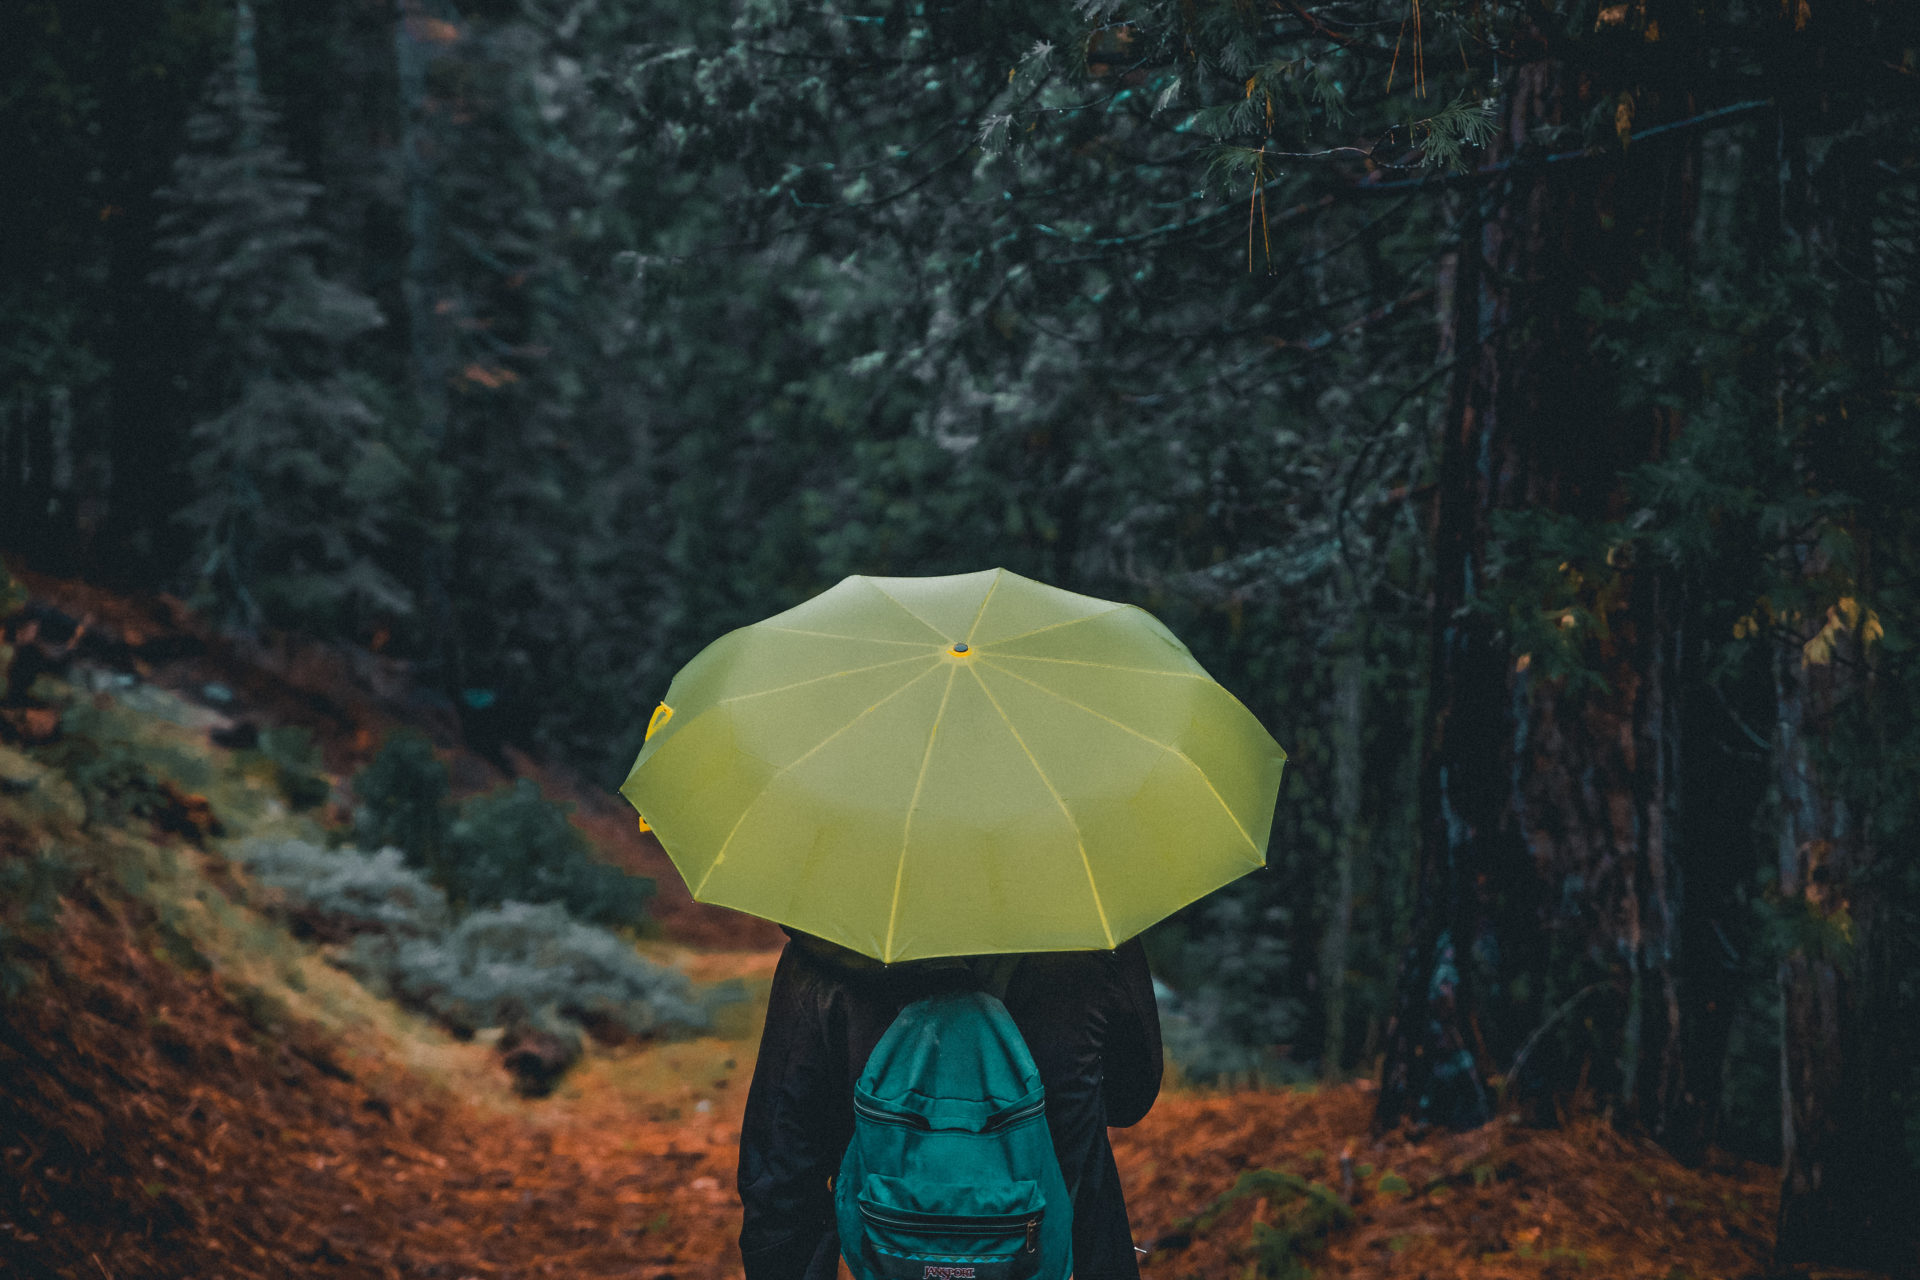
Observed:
{"x":297,"y":767}
{"x":339,"y":893}
{"x":1228,"y":965}
{"x":1305,"y":1215}
{"x":401,"y":801}
{"x":520,"y":965}
{"x":121,"y":774}
{"x":13,"y":598}
{"x":30,"y":889}
{"x":510,"y":845}
{"x":513,"y":845}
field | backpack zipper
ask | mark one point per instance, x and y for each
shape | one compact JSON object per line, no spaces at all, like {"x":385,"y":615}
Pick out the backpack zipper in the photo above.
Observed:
{"x":1012,"y":1224}
{"x":906,"y":1120}
{"x":1014,"y":1117}
{"x":909,"y":1120}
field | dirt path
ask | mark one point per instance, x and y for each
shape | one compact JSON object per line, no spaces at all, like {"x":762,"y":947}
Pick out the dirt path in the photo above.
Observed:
{"x":155,"y":1127}
{"x":163,"y":1116}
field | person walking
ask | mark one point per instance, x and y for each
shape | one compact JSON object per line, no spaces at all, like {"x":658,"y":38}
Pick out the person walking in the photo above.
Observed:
{"x":948,"y":789}
{"x":1088,"y":1019}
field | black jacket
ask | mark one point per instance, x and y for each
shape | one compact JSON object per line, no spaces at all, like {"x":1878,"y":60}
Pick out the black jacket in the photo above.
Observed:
{"x":1088,"y":1018}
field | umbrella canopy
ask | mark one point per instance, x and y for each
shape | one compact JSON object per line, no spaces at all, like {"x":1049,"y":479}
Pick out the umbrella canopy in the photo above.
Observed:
{"x":916,"y":767}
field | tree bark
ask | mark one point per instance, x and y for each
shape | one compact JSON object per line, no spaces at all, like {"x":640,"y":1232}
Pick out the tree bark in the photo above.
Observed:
{"x":1546,"y":860}
{"x":1827,"y":1135}
{"x":1842,"y":1199}
{"x":429,"y":337}
{"x":1349,"y":686}
{"x":1429,"y":1074}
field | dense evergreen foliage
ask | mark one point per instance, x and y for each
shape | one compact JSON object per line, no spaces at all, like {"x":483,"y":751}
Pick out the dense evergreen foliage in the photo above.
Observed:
{"x":507,"y":845}
{"x":296,"y":484}
{"x":1513,"y":404}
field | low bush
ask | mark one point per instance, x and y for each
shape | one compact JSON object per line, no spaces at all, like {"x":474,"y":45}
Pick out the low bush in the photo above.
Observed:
{"x":122,"y":774}
{"x":401,"y":800}
{"x":298,"y":769}
{"x":510,"y":845}
{"x":521,"y":964}
{"x":1230,"y":962}
{"x":13,"y":598}
{"x":30,"y":887}
{"x":527,"y":968}
{"x":513,"y":845}
{"x":1299,"y":1218}
{"x":336,"y":894}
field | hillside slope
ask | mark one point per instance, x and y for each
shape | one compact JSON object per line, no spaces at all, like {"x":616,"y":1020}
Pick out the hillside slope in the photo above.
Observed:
{"x":155,"y":1129}
{"x":190,"y":1090}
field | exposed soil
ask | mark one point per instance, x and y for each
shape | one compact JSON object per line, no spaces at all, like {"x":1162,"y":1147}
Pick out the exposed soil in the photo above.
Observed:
{"x":1496,"y":1203}
{"x":351,"y":700}
{"x":153,"y":1128}
{"x":158,"y":1119}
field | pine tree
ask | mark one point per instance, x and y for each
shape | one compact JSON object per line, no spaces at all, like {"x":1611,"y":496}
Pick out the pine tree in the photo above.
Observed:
{"x":297,"y":480}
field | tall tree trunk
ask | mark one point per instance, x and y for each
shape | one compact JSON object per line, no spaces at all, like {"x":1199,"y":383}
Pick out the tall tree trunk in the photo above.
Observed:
{"x":1834,"y":1187}
{"x":1429,"y":1073}
{"x":1349,"y":685}
{"x":430,"y":343}
{"x":1546,"y":866}
{"x":1842,"y":1199}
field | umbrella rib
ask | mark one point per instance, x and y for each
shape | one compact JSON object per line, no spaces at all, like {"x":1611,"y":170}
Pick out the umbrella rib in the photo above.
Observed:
{"x":835,"y":635}
{"x":1055,"y":626}
{"x":981,"y":612}
{"x":906,"y":829}
{"x":903,"y":608}
{"x":1167,"y":747}
{"x":787,"y":768}
{"x":831,"y":675}
{"x":1079,"y":840}
{"x":1106,"y":666}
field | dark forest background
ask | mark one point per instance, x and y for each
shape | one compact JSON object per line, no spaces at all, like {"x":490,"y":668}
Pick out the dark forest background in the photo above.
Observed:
{"x":1516,"y":404}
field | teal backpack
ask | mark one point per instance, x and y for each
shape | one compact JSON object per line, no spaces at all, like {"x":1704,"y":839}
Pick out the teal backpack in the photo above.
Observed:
{"x":951,"y":1173}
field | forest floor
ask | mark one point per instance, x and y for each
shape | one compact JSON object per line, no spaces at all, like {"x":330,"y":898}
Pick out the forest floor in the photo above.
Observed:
{"x":189,"y":1091}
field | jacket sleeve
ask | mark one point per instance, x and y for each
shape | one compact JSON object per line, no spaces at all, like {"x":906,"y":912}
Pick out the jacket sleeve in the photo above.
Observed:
{"x":788,"y":1147}
{"x":1132,"y":1057}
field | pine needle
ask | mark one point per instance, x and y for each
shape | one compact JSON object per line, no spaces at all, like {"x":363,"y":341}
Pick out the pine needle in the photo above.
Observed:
{"x":1419,"y":51}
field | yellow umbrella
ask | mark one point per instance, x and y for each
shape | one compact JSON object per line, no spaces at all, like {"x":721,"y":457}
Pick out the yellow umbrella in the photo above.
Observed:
{"x":980,"y":763}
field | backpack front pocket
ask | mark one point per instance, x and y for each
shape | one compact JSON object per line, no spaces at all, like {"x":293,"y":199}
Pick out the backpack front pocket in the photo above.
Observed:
{"x":949,"y":1231}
